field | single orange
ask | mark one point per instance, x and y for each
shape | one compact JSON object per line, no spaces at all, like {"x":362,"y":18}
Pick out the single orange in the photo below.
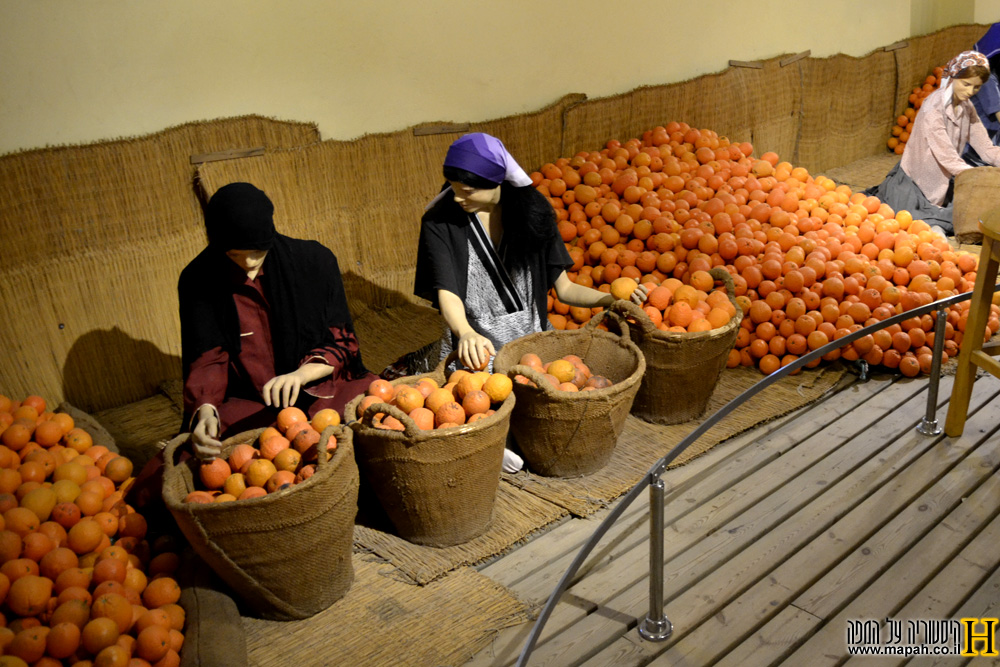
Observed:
{"x":288,"y":416}
{"x":161,"y":591}
{"x":98,"y":634}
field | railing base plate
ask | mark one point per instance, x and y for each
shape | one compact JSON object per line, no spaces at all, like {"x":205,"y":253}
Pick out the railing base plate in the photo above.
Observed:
{"x":655,"y":631}
{"x":929,"y":427}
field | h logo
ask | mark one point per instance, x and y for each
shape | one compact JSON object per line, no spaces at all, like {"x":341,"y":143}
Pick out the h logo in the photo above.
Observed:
{"x":987,"y":636}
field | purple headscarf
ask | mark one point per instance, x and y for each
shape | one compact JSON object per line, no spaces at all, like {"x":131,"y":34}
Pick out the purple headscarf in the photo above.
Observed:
{"x":485,"y":156}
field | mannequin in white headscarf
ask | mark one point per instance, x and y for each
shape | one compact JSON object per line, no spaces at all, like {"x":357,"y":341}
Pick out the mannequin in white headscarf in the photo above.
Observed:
{"x":922,"y":181}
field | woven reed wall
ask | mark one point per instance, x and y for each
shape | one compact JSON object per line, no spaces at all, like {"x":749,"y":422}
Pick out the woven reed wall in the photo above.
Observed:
{"x":742,"y":103}
{"x":818,"y":113}
{"x":94,"y":238}
{"x":364,"y":198}
{"x":923,"y":54}
{"x":845,"y":106}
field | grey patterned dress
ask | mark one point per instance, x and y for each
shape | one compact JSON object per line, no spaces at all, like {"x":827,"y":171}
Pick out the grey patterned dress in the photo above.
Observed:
{"x":498,"y":302}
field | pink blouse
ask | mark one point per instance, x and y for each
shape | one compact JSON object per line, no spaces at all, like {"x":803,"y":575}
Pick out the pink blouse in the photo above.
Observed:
{"x":933,"y":154}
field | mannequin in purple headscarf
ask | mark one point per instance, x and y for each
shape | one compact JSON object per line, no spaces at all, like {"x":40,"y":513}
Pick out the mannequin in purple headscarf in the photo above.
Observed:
{"x":489,"y":252}
{"x":491,"y":237}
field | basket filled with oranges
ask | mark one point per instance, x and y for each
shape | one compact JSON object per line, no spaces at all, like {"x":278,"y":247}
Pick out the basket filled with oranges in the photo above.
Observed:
{"x":574,"y":391}
{"x":281,"y":538}
{"x":682,"y":364}
{"x":430,"y":448}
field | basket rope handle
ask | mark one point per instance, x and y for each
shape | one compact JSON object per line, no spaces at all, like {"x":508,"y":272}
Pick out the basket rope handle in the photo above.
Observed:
{"x":410,"y":427}
{"x":324,"y":439}
{"x":726,"y":278}
{"x":624,"y":309}
{"x":609,"y":313}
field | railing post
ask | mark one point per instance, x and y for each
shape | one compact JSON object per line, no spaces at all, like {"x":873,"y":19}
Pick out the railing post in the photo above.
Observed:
{"x":656,"y":627}
{"x":929,"y":424}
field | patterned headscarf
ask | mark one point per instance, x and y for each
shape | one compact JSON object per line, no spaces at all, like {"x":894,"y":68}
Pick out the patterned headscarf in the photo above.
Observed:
{"x":963,"y":60}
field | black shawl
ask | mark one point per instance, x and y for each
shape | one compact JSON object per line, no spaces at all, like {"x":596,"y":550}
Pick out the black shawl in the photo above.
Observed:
{"x":529,"y":227}
{"x":302,"y":284}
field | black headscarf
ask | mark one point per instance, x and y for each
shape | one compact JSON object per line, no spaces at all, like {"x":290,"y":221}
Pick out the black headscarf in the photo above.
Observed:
{"x":240,"y":217}
{"x":301,"y":281}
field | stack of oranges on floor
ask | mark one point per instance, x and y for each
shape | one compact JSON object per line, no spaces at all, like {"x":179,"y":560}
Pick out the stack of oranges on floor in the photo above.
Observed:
{"x":79,"y":582}
{"x":904,"y":122}
{"x":810,"y":260}
{"x":285,"y":454}
{"x":466,"y":397}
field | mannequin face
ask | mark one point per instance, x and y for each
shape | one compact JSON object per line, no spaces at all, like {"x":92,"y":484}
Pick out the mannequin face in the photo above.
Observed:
{"x":963,"y":89}
{"x":475,"y":200}
{"x":248,"y":260}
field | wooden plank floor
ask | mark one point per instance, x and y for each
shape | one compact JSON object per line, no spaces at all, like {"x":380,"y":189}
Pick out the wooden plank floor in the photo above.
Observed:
{"x":779,"y":537}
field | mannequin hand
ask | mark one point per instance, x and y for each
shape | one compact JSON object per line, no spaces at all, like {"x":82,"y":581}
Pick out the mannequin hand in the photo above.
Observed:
{"x":204,"y":436}
{"x":475,"y":350}
{"x":283,"y":390}
{"x":639,"y":295}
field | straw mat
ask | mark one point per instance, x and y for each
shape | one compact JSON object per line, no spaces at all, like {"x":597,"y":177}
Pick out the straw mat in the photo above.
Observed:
{"x":845,"y":109}
{"x":642,"y":444}
{"x":382,"y":621}
{"x":138,"y":427}
{"x":866,"y":172}
{"x":516,"y":515}
{"x":111,"y":193}
{"x":390,"y":324}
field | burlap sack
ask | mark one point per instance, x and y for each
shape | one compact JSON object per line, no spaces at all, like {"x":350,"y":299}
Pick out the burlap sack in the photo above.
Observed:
{"x":286,"y":554}
{"x":977,"y":191}
{"x":564,"y":433}
{"x":437,"y":487}
{"x":682,"y":369}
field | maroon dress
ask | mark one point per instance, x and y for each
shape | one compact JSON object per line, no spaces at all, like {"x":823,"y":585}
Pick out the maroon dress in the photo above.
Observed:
{"x":254,"y":342}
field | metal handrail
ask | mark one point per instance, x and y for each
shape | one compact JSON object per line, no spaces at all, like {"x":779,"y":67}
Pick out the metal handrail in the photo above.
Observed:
{"x":656,"y":627}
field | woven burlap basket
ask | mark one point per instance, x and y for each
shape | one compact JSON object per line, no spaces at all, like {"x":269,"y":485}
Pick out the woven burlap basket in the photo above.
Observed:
{"x":977,"y":191}
{"x":682,"y":369}
{"x":438,"y":487}
{"x":286,"y":554}
{"x":565,"y":433}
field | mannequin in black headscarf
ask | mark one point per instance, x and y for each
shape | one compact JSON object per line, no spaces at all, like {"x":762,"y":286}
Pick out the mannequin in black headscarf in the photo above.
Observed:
{"x":264,"y":324}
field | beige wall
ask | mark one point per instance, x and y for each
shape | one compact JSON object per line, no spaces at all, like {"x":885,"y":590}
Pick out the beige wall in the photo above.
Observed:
{"x":76,"y":71}
{"x":929,"y":15}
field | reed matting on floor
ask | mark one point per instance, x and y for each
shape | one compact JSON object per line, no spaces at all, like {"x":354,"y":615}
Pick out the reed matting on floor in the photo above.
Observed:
{"x":138,"y":427}
{"x":383,"y":621}
{"x":642,"y":444}
{"x":864,"y":173}
{"x":516,"y":515}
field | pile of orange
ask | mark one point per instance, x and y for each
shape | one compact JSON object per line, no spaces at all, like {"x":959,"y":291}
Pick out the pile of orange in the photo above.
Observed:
{"x":568,"y":373}
{"x":811,"y":260}
{"x":79,"y":582}
{"x":904,"y":122}
{"x":466,"y":397}
{"x":283,"y":455}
